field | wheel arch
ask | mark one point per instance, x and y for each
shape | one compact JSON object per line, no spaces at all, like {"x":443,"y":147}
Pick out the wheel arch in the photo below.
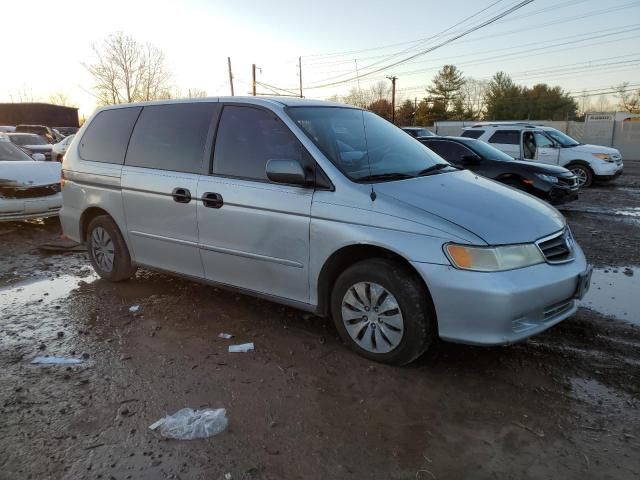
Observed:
{"x":348,"y":255}
{"x":86,"y":217}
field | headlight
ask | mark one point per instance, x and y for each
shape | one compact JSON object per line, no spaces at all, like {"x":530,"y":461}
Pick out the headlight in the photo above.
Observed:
{"x":493,"y":259}
{"x":603,"y":156}
{"x":547,"y":178}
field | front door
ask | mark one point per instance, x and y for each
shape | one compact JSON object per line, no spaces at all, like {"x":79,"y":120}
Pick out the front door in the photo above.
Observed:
{"x":546,"y":150}
{"x":159,"y":185}
{"x":254,"y":234}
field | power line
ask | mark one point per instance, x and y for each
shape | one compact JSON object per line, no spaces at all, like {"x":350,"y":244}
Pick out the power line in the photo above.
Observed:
{"x":439,"y":45}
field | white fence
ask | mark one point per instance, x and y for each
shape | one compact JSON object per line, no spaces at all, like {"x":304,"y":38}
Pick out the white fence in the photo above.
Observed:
{"x":621,"y":131}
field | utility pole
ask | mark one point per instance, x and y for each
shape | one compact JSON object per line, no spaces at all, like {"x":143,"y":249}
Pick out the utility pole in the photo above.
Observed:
{"x":415,"y":110}
{"x":393,"y":98}
{"x":300,"y":74}
{"x":230,"y":75}
{"x":253,"y":74}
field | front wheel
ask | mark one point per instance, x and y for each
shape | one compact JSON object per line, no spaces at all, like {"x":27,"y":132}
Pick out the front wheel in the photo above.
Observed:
{"x":583,"y":174}
{"x":382,"y":310}
{"x":108,"y":251}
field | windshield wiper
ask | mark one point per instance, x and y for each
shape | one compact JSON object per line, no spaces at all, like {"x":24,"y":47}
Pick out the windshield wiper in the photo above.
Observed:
{"x":387,"y":176}
{"x":433,"y":168}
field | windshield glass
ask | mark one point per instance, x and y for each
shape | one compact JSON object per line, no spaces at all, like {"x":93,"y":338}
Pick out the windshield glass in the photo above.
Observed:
{"x":562,"y":138}
{"x":11,"y":153}
{"x":487,"y":151}
{"x":364,"y":146}
{"x":27,"y":139}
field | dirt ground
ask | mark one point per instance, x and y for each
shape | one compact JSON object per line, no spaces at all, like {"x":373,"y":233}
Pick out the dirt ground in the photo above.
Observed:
{"x":565,"y":404}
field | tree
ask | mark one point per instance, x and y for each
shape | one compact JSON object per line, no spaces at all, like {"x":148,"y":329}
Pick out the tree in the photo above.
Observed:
{"x":405,"y":113}
{"x":446,"y":88}
{"x":430,"y":110}
{"x":379,"y":91}
{"x":549,"y":103}
{"x":59,"y":98}
{"x":504,"y":99}
{"x":382,"y":108}
{"x":628,"y":100}
{"x":127,"y":71}
{"x":473,"y":98}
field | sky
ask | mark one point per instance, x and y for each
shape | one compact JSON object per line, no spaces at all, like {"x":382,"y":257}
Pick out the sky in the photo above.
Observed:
{"x":581,"y":45}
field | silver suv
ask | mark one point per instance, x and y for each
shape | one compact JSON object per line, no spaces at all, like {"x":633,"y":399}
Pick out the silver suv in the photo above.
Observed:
{"x":325,"y":208}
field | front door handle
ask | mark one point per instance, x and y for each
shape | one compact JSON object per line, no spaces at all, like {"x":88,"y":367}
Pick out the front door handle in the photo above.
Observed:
{"x":212,"y":200}
{"x":181,"y":195}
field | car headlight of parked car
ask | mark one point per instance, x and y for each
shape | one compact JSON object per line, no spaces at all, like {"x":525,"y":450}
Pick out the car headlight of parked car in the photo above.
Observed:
{"x":547,"y":178}
{"x":604,"y":156}
{"x":493,"y":259}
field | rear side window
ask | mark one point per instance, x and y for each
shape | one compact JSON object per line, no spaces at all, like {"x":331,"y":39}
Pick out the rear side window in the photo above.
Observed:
{"x":472,"y":133}
{"x":248,"y":138}
{"x":510,"y":137}
{"x":450,"y":151}
{"x":171,"y":137}
{"x":107,"y":135}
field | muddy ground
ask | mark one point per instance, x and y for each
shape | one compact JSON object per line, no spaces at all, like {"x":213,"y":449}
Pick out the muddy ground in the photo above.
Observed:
{"x":565,"y":404}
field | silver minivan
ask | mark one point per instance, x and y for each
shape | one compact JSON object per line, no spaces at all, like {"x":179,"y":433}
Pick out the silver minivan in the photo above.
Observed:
{"x":323,"y":207}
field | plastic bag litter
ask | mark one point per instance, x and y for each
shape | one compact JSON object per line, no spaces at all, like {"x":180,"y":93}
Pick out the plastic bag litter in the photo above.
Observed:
{"x":242,"y":348}
{"x":134,"y":308}
{"x":188,"y":424}
{"x":56,"y":360}
{"x":226,"y":336}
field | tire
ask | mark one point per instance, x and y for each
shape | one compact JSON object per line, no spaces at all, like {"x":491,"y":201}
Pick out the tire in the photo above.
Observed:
{"x":514,"y":183}
{"x":584,"y":174}
{"x":107,"y":250}
{"x":389,"y":338}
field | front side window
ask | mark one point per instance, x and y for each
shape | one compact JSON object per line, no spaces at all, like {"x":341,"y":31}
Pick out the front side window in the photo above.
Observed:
{"x":248,"y":138}
{"x":364,"y":146}
{"x":171,"y":137}
{"x":542,"y":141}
{"x":106,"y":137}
{"x":11,"y":153}
{"x":506,"y":137}
{"x":472,"y":133}
{"x":562,"y":138}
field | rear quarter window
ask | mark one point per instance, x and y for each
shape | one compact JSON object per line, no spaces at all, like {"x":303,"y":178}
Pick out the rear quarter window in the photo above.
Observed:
{"x":472,"y":133}
{"x":107,"y":135}
{"x":171,"y":137}
{"x":509,"y":137}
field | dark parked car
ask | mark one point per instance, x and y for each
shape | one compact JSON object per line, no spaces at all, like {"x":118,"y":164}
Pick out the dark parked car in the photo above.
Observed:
{"x":32,"y":143}
{"x":418,"y":132}
{"x":551,"y":183}
{"x":44,"y":132}
{"x":66,"y":131}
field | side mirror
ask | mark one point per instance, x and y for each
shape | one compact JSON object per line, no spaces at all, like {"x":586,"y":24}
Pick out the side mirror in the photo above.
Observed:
{"x":470,"y":159}
{"x":38,"y":157}
{"x":286,"y":171}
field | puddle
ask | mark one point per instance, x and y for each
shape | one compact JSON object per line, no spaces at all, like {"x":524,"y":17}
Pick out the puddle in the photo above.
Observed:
{"x":615,"y":293}
{"x":41,"y":290}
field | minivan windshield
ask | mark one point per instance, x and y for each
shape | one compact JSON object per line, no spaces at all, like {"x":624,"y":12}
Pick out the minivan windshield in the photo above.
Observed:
{"x":365,"y":147}
{"x":562,"y":138}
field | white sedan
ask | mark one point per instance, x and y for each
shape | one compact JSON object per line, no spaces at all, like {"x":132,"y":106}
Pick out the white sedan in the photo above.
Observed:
{"x":59,"y":149}
{"x":28,"y":189}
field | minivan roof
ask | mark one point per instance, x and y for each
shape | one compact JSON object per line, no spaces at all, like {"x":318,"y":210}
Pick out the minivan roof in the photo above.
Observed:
{"x":266,"y":100}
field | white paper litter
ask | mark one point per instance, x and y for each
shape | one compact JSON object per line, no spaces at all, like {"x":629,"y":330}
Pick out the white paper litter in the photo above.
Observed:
{"x":226,"y":336}
{"x":56,"y":360}
{"x":134,"y":308}
{"x":244,"y":347}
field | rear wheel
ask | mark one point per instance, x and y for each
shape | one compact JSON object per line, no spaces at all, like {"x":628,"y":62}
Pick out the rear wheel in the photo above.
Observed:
{"x":107,"y":250}
{"x":583,"y":174}
{"x":382,"y":311}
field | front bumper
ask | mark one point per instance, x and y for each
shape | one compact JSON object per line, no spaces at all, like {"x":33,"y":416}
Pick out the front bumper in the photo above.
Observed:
{"x":28,"y":208}
{"x":558,"y":195}
{"x":502,"y":307}
{"x":606,"y":178}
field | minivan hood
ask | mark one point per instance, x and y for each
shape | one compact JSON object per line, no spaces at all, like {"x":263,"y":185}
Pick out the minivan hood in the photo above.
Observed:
{"x":29,"y":173}
{"x":496,"y":213}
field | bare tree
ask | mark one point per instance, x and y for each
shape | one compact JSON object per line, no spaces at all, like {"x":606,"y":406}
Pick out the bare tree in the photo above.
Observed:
{"x":196,"y":93}
{"x":603,"y":104}
{"x":126,"y":71}
{"x":379,"y":91}
{"x":628,"y":99}
{"x":22,"y":94}
{"x":473,"y":98}
{"x":60,"y":98}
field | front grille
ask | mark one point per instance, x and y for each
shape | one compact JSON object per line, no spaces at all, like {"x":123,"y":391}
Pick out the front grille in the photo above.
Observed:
{"x":557,"y":248}
{"x":569,"y":182}
{"x":553,"y":311}
{"x":29,"y":192}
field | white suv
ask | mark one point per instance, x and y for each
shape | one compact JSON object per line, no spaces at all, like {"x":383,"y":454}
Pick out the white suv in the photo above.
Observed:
{"x":548,"y":145}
